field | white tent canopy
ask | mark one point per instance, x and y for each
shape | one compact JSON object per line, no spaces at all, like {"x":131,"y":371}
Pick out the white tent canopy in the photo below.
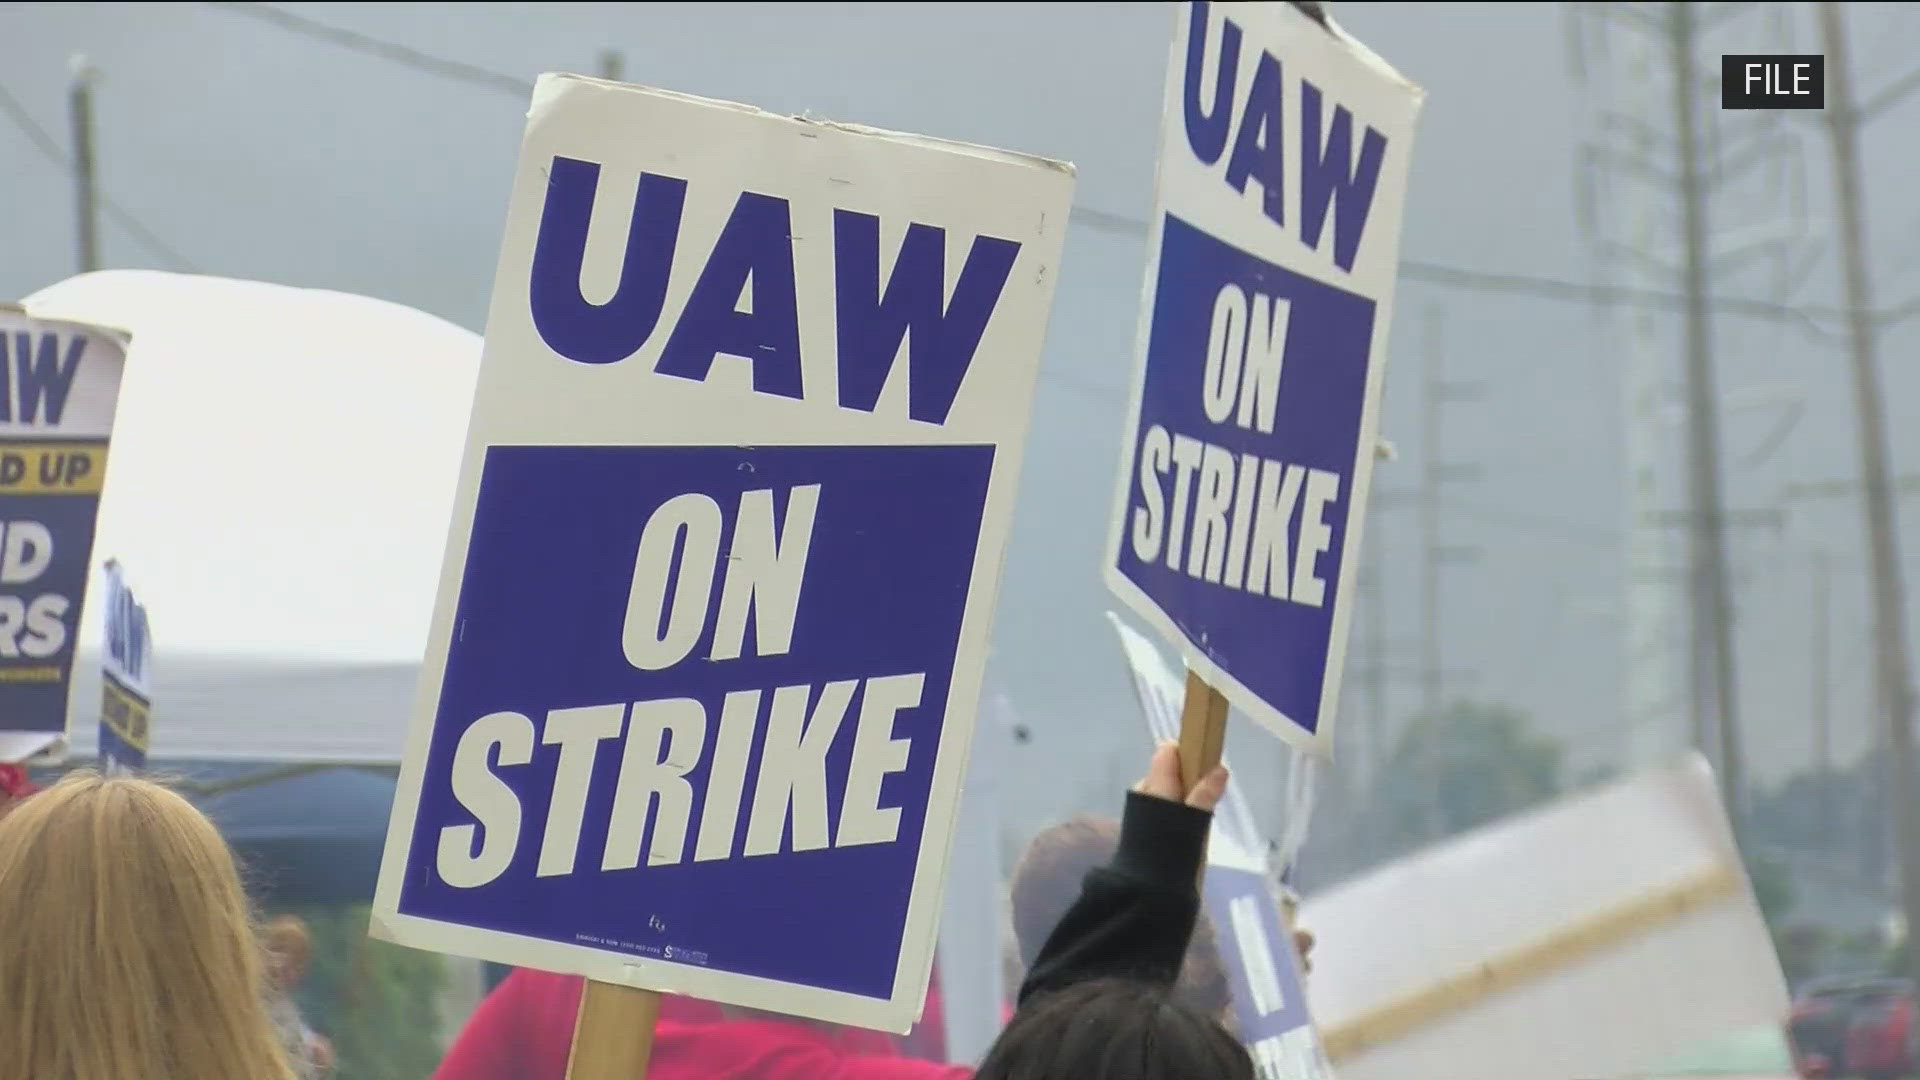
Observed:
{"x":278,"y":488}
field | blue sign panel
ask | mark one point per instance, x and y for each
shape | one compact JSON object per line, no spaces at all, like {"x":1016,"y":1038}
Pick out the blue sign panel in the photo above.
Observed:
{"x":1238,"y":531}
{"x":752,"y":798}
{"x":1269,"y":999}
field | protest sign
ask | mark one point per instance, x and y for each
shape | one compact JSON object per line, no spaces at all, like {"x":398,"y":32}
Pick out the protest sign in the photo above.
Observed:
{"x":126,"y":695}
{"x":1253,"y":423}
{"x":1263,"y":969}
{"x":59,"y":384}
{"x":1603,"y":934}
{"x":701,"y":679}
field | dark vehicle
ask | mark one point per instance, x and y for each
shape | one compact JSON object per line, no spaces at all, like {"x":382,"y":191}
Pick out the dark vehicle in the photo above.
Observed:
{"x":1855,"y":1029}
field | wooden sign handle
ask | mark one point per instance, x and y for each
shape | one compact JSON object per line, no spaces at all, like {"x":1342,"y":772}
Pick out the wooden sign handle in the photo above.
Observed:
{"x":613,"y":1032}
{"x":1203,"y":734}
{"x":1203,"y":730}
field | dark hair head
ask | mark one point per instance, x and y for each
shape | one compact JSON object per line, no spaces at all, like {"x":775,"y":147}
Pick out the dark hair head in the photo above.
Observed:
{"x":1047,"y":881}
{"x":1114,"y":1030}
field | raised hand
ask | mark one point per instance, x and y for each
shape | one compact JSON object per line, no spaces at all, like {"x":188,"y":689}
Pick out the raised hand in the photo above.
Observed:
{"x":1163,"y":780}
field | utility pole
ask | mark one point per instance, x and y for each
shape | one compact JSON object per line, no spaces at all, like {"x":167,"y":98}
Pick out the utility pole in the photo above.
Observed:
{"x":1715,"y":715}
{"x":1653,"y":160}
{"x":1436,"y":555}
{"x":613,"y":65}
{"x":1431,"y":469}
{"x":1374,"y":620}
{"x":1887,"y":592}
{"x":1372,"y":670}
{"x":1378,"y":673}
{"x":1436,"y":473}
{"x":86,"y":191}
{"x":1904,"y":486}
{"x":1822,"y":704}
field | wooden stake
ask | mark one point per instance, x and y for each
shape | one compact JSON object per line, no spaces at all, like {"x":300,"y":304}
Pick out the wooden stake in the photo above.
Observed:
{"x":1203,"y":730}
{"x":613,"y":1032}
{"x":1203,"y":735}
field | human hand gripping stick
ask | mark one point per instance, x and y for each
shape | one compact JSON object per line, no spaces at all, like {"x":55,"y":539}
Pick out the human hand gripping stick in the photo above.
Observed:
{"x":1163,"y":780}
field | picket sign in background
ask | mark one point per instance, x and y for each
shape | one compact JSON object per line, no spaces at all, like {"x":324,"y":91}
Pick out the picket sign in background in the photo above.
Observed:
{"x":126,"y":677}
{"x":59,"y":386}
{"x":1240,"y":894}
{"x":1604,"y":934}
{"x":1253,"y":425}
{"x":1263,"y":969}
{"x":700,"y":684}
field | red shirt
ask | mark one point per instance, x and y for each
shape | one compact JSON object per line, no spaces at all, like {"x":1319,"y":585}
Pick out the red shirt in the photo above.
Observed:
{"x":14,"y":783}
{"x":524,"y":1029}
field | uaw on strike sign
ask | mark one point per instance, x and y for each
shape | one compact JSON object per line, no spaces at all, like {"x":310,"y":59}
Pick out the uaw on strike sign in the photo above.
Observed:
{"x":59,"y":386}
{"x":702,"y":677}
{"x":1283,"y":167}
{"x":126,"y":673}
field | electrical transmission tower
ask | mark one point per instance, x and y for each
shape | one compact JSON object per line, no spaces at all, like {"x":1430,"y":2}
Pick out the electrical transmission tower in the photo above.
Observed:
{"x":1676,"y":195}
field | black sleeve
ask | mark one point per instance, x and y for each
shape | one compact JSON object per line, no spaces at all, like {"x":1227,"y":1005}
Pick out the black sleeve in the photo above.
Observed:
{"x":1136,"y":915}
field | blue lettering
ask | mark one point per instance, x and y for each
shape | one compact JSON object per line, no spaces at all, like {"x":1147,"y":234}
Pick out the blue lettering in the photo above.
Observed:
{"x":1328,"y":172}
{"x":610,"y":332}
{"x":117,"y":618}
{"x":872,"y":323}
{"x":42,"y":378}
{"x":1258,"y":152}
{"x":1207,"y":131}
{"x":752,"y":266}
{"x":127,"y":633}
{"x":1327,"y":168}
{"x":752,"y":259}
{"x":137,"y":644}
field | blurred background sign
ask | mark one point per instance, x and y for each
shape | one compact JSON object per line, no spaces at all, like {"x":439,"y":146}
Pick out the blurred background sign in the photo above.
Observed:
{"x":1601,"y":935}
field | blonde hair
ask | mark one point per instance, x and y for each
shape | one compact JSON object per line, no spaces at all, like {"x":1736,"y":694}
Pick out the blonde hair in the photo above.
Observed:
{"x":289,"y":949}
{"x":126,"y":947}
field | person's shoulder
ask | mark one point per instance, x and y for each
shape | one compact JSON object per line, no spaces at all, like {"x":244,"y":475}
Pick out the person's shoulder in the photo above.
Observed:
{"x":539,"y":999}
{"x":791,"y":1050}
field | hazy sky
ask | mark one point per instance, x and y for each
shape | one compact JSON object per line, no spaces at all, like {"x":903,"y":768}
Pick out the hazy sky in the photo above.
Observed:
{"x":261,"y":153}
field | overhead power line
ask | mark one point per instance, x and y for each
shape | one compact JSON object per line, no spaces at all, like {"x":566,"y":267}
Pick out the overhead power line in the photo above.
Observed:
{"x":385,"y":50}
{"x":1452,"y":277}
{"x":1546,"y":288}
